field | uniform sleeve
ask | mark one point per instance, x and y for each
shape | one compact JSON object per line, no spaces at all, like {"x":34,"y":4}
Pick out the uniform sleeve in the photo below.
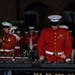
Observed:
{"x":68,"y":45}
{"x":36,"y":39}
{"x":41,"y":43}
{"x":9,"y":43}
{"x":26,"y":43}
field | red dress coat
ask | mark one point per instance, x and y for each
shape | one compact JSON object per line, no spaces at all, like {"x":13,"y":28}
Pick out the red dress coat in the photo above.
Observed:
{"x":8,"y":44}
{"x":33,"y":43}
{"x":54,"y":43}
{"x":18,"y":46}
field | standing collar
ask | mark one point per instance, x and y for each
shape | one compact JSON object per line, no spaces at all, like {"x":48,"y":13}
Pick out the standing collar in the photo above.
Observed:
{"x":55,"y":30}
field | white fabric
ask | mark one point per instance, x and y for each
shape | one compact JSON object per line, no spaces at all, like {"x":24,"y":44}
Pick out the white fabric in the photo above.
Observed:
{"x":31,"y":27}
{"x":64,"y":26}
{"x":17,"y":47}
{"x":17,"y":37}
{"x":54,"y":18}
{"x":51,"y":53}
{"x":30,"y":44}
{"x":6,"y":50}
{"x":31,"y":47}
{"x":6,"y":24}
{"x":36,"y":31}
{"x":13,"y":27}
{"x":68,"y":59}
{"x":70,"y":31}
{"x":35,"y":44}
{"x":5,"y":57}
{"x":48,"y":52}
{"x":26,"y":32}
{"x":18,"y":32}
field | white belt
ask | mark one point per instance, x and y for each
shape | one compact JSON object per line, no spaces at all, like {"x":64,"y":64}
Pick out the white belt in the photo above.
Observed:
{"x":51,"y":53}
{"x":68,"y":59}
{"x":5,"y":57}
{"x":17,"y":47}
{"x":6,"y":50}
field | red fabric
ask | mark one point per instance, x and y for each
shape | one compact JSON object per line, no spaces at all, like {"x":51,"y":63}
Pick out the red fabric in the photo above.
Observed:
{"x":17,"y":52}
{"x":54,"y":41}
{"x":9,"y":43}
{"x":27,"y":40}
{"x":18,"y":44}
{"x":54,"y":58}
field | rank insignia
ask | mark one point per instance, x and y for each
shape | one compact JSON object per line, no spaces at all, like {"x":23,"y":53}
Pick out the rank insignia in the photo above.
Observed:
{"x":60,"y":36}
{"x":8,"y":39}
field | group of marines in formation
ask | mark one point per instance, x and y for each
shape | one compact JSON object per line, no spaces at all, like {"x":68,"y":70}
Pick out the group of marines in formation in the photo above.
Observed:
{"x":53,"y":44}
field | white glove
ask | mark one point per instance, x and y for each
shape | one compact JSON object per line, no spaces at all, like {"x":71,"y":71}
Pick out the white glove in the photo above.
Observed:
{"x":31,"y":47}
{"x":17,"y":37}
{"x":35,"y":44}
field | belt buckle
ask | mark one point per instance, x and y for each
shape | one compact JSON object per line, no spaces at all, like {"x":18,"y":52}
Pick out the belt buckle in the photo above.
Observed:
{"x":56,"y":53}
{"x":4,"y":50}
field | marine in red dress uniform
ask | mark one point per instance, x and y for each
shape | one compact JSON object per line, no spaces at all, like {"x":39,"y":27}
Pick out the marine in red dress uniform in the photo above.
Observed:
{"x":7,"y":45}
{"x":71,"y":38}
{"x":54,"y":43}
{"x":9,"y":41}
{"x":18,"y":44}
{"x":30,"y":39}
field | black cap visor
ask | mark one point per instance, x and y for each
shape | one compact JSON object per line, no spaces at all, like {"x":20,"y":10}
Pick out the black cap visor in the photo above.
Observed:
{"x":54,"y":23}
{"x":5,"y":26}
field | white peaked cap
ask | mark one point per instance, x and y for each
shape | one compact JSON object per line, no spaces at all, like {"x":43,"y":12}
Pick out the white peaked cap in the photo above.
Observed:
{"x":64,"y":26}
{"x":70,"y":31}
{"x":14,"y":27}
{"x":54,"y":18}
{"x":36,"y":31}
{"x":31,"y":27}
{"x":18,"y":31}
{"x":26,"y":32}
{"x":6,"y":24}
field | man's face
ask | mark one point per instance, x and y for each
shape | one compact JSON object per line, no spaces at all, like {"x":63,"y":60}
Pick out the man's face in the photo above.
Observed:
{"x":55,"y":27}
{"x":31,"y":31}
{"x":7,"y":29}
